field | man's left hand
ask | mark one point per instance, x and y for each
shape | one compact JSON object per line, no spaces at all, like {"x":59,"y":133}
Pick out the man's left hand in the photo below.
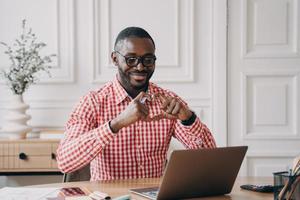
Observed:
{"x":173,"y":108}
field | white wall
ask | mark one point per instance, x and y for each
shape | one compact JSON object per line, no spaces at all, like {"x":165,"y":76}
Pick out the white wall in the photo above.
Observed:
{"x":263,"y":82}
{"x":190,"y":37}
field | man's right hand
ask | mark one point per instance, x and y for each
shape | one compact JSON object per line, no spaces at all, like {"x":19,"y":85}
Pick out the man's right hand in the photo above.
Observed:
{"x":135,"y":111}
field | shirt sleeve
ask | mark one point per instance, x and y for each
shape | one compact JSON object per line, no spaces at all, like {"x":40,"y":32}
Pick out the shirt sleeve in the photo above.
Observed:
{"x":194,"y":136}
{"x":84,"y":139}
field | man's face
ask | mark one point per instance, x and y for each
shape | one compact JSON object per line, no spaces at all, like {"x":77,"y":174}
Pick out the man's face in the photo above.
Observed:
{"x":134,"y":77}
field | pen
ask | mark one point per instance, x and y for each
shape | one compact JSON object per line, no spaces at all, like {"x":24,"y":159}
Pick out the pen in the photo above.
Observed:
{"x":124,"y":197}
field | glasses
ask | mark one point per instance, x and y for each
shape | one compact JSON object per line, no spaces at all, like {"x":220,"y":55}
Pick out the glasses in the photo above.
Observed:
{"x":133,"y":61}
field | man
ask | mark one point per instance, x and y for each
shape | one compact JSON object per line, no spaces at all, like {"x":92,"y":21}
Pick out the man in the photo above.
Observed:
{"x":124,"y":128}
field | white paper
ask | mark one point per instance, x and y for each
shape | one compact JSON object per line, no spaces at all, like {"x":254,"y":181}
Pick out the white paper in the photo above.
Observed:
{"x":21,"y":193}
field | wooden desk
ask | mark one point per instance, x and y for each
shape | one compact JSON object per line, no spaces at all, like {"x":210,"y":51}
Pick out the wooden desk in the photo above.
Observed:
{"x":121,"y":187}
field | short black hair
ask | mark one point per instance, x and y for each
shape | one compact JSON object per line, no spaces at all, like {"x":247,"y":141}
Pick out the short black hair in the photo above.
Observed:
{"x":133,"y":32}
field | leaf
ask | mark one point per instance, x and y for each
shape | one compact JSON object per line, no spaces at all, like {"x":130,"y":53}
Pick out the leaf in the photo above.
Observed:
{"x":23,"y":23}
{"x":4,"y":44}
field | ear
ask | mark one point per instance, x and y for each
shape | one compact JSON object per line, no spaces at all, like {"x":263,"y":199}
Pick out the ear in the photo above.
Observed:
{"x":114,"y":58}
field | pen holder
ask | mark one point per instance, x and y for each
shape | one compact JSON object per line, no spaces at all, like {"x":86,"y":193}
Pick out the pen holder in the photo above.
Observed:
{"x":286,"y":186}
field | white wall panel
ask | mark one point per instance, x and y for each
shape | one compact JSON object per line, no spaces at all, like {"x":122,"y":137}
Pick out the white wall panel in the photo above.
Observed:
{"x":270,"y":28}
{"x":56,"y":29}
{"x":269,"y":106}
{"x":265,"y":166}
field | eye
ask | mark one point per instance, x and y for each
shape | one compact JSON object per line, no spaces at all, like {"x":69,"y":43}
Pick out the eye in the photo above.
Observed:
{"x":149,"y":61}
{"x":131,"y":61}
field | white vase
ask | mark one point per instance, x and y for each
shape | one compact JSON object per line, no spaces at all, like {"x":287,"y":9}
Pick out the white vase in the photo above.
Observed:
{"x":15,"y":122}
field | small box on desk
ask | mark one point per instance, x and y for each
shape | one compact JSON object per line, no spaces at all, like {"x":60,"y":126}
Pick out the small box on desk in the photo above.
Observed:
{"x":286,"y":186}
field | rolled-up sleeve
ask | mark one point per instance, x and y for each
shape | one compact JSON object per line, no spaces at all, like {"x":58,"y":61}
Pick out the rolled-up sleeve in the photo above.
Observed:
{"x":84,"y":139}
{"x":194,"y":136}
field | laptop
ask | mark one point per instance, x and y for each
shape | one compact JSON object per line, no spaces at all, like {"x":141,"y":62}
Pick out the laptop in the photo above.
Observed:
{"x":198,"y":173}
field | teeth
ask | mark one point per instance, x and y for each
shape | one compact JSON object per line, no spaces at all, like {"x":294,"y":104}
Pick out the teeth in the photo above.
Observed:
{"x":138,"y":76}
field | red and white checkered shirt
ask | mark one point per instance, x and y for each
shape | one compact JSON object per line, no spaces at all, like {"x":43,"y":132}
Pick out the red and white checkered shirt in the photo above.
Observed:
{"x":137,"y":151}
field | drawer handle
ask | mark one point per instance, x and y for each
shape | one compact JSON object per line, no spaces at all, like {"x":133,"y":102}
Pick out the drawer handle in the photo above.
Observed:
{"x":53,"y":156}
{"x":23,"y":156}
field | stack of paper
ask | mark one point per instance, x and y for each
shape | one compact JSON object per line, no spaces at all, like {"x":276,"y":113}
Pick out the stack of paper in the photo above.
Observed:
{"x":13,"y":193}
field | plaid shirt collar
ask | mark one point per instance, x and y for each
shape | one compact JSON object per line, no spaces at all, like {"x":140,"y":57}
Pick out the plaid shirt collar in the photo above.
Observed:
{"x":121,"y":93}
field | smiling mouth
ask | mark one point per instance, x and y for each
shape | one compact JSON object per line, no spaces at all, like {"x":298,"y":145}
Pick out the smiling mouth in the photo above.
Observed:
{"x":138,"y":76}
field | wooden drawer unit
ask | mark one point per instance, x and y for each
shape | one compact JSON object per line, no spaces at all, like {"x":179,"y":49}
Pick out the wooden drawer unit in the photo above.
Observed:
{"x":29,"y":155}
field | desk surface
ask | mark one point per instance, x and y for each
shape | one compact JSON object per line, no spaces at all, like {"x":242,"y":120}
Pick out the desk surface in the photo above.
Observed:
{"x":121,"y":187}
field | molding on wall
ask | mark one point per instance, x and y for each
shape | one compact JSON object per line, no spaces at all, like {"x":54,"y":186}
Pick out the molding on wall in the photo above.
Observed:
{"x":100,"y":44}
{"x":219,"y":71}
{"x":285,"y":135}
{"x":290,"y":49}
{"x":273,"y":154}
{"x":253,"y":166}
{"x":63,"y":71}
{"x":66,"y":44}
{"x":45,"y":104}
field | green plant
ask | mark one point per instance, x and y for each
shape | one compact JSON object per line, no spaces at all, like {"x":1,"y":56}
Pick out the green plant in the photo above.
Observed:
{"x":26,"y":61}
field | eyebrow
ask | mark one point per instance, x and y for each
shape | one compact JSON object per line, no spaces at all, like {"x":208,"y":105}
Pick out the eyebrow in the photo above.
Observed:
{"x":134,"y":54}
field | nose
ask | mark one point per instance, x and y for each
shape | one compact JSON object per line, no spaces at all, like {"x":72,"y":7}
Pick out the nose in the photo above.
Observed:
{"x":140,"y":66}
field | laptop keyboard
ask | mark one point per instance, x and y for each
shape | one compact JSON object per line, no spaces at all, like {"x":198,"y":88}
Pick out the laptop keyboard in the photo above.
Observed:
{"x":151,"y":194}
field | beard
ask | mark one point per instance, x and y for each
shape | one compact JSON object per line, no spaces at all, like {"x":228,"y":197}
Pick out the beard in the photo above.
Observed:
{"x":129,"y":82}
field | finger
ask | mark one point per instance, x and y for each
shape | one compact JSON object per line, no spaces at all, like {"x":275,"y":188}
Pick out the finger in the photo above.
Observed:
{"x":165,"y":102}
{"x":157,"y":117}
{"x":161,"y":97}
{"x":139,"y":96}
{"x":158,"y":96}
{"x":169,"y":116}
{"x":171,"y":106}
{"x":142,"y":115}
{"x":176,"y":109}
{"x":154,"y":118}
{"x":155,"y":96}
{"x":143,"y":97}
{"x":143,"y":109}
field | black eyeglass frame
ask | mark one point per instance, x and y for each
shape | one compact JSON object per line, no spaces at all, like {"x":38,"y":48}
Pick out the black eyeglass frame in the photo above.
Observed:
{"x":139,"y":58}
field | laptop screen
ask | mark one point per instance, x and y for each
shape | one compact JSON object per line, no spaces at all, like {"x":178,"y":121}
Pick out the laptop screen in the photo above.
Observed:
{"x":198,"y":173}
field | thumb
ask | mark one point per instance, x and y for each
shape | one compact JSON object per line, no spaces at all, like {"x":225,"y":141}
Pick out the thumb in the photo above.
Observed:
{"x":139,"y":96}
{"x":142,"y":97}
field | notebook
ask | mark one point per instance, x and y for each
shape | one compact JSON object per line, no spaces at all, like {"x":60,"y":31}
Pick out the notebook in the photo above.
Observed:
{"x":198,"y":173}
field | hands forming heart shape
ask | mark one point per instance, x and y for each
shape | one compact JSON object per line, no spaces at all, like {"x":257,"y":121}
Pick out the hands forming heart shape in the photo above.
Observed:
{"x":171,"y":107}
{"x":138,"y":109}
